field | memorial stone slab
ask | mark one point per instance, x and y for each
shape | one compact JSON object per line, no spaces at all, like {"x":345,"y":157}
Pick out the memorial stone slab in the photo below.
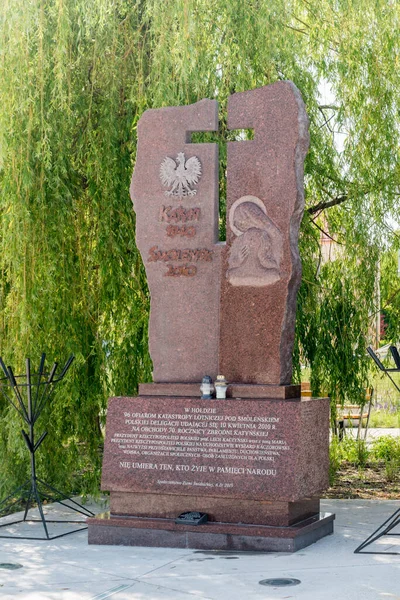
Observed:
{"x":265,"y":203}
{"x":175,"y":196}
{"x":230,"y":449}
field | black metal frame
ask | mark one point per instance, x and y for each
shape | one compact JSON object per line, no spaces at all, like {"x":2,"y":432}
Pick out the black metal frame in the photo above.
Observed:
{"x":382,"y":530}
{"x":32,"y":392}
{"x":396,"y":358}
{"x":394,"y":519}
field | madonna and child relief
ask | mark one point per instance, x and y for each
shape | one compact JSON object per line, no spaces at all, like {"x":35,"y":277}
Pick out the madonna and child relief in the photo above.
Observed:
{"x":256,"y":253}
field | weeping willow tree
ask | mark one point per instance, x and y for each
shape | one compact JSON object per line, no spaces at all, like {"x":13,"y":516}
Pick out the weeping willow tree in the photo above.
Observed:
{"x":75,"y":78}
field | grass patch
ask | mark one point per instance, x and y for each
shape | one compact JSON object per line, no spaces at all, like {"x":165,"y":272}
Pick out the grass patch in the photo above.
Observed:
{"x":361,"y":470}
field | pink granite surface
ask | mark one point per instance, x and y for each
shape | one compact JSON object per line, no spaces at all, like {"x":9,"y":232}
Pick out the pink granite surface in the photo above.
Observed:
{"x":213,"y":304}
{"x":178,"y":240}
{"x":235,"y":390}
{"x":253,"y":449}
{"x":261,"y":267}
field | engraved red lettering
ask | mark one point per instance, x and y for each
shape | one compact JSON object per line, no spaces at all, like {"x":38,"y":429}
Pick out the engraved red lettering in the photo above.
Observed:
{"x":153,"y":254}
{"x":206,"y":255}
{"x":184,"y":231}
{"x":170,"y":271}
{"x":172,"y":230}
{"x":172,"y":216}
{"x":174,"y":254}
{"x":181,"y":271}
{"x":196,"y":255}
{"x":193,"y":214}
{"x":181,"y":214}
{"x":191,"y":270}
{"x":186,"y":254}
{"x":164,"y":213}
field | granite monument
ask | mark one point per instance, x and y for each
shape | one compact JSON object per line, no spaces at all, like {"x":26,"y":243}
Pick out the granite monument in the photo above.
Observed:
{"x":254,"y":464}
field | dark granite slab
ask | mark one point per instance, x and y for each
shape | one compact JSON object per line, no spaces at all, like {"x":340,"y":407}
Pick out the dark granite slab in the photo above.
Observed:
{"x":234,"y":510}
{"x":105,"y":529}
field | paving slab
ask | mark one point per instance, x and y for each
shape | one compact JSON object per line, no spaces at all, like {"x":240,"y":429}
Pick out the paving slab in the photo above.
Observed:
{"x":68,"y":569}
{"x":373,"y":433}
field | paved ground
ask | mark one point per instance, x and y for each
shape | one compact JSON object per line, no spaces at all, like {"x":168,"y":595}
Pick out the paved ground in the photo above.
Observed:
{"x":372,"y":434}
{"x":69,"y":569}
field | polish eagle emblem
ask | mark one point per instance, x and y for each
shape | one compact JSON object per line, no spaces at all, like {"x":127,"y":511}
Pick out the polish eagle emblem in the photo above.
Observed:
{"x":180,"y":175}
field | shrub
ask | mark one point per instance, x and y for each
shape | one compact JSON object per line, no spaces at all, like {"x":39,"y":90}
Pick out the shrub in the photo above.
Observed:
{"x":387,"y":449}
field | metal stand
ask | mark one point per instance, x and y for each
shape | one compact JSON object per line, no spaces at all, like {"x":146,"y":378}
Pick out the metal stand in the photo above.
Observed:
{"x":394,"y":519}
{"x":31,"y":394}
{"x":382,"y":530}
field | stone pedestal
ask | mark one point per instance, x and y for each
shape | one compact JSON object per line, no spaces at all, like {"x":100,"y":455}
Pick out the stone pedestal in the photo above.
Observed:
{"x":164,"y":533}
{"x":255,"y":465}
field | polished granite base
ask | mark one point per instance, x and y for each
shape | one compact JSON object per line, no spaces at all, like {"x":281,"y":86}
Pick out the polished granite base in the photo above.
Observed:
{"x":106,"y":529}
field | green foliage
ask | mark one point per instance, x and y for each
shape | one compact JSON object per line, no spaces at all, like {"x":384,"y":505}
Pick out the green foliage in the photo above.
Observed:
{"x":337,"y":332}
{"x":348,"y":450}
{"x":353,"y":451}
{"x":384,"y":419}
{"x":387,"y":449}
{"x":384,"y":450}
{"x":75,"y":78}
{"x":335,"y":459}
{"x":362,"y":453}
{"x":390,"y":293}
{"x":72,"y":279}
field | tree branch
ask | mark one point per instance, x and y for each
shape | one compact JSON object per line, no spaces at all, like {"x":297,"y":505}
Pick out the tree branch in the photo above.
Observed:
{"x":323,"y":205}
{"x":326,"y":122}
{"x":326,"y":233}
{"x":303,"y":31}
{"x":302,"y":22}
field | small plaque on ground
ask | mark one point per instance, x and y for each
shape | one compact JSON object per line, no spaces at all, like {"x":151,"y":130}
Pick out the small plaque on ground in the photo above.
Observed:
{"x":192,"y":518}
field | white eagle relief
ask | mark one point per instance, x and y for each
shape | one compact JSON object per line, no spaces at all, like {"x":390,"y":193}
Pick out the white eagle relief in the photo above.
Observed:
{"x":181,"y":175}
